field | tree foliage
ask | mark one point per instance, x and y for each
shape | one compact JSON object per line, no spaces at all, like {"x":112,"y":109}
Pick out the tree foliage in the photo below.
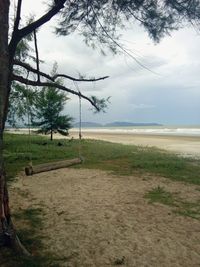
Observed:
{"x":98,"y":23}
{"x":20,"y":104}
{"x":21,"y":96}
{"x":49,"y":104}
{"x":99,"y":20}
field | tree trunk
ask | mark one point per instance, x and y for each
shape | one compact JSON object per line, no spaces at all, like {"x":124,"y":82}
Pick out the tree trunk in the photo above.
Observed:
{"x":51,"y":135}
{"x":4,"y":73}
{"x":7,"y":232}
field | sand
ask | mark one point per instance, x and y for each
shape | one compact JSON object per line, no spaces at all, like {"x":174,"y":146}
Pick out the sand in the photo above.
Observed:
{"x":96,"y":219}
{"x":93,"y":218}
{"x":187,"y":146}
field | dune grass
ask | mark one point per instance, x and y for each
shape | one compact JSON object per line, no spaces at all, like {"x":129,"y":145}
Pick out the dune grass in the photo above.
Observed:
{"x":118,"y":158}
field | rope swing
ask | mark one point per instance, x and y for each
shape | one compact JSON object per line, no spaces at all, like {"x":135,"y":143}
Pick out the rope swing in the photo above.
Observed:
{"x":29,"y":122}
{"x":80,"y":121}
{"x":30,"y":169}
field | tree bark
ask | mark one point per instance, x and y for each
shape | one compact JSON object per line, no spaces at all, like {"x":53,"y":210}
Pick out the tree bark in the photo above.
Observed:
{"x":7,"y":232}
{"x":4,"y":74}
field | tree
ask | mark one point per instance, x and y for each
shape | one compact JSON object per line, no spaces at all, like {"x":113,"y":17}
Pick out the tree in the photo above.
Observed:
{"x":21,"y":96}
{"x":48,"y":105}
{"x":98,"y":21}
{"x":20,"y":104}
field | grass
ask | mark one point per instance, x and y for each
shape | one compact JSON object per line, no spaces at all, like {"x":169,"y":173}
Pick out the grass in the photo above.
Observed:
{"x":180,"y":206}
{"x":118,"y":158}
{"x":160,"y":195}
{"x":29,"y":223}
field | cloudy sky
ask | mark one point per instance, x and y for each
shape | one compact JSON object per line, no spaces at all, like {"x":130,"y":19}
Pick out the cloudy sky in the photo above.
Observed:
{"x":169,"y":95}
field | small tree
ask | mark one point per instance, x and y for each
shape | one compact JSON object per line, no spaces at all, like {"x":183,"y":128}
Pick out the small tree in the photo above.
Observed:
{"x":21,"y":96}
{"x":47,"y":116}
{"x":20,"y":104}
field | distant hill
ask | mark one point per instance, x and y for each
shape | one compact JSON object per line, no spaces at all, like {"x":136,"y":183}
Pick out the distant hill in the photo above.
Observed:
{"x":87,"y":124}
{"x":126,"y":124}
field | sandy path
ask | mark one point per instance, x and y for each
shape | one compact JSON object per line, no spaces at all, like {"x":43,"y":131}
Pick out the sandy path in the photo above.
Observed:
{"x":102,"y":219}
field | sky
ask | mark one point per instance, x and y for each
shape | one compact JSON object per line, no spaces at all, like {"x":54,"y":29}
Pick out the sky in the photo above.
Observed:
{"x":169,"y":95}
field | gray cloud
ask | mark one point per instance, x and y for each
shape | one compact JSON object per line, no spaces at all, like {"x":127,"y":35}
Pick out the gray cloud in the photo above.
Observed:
{"x":171,"y":97}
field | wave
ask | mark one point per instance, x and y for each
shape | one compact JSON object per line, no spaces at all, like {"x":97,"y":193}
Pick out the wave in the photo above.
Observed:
{"x":154,"y":131}
{"x":179,"y":131}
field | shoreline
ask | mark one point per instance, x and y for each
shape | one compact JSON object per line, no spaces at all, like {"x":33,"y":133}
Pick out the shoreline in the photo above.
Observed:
{"x":187,"y":146}
{"x":183,"y":145}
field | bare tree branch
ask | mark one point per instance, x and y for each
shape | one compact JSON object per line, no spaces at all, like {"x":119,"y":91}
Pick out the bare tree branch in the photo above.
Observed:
{"x":37,"y":55}
{"x":55,"y":85}
{"x":31,"y":69}
{"x":80,"y":79}
{"x":18,"y":15}
{"x":19,"y":34}
{"x":59,"y":4}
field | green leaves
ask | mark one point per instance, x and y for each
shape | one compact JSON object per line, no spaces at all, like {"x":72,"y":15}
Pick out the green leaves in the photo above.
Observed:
{"x":20,"y":103}
{"x":101,"y":104}
{"x":99,"y":21}
{"x":48,"y":106}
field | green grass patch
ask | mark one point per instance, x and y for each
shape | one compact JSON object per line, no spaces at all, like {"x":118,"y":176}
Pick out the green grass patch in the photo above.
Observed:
{"x":29,"y":223}
{"x":118,"y":158}
{"x":189,"y":209}
{"x":160,"y":195}
{"x":180,"y":206}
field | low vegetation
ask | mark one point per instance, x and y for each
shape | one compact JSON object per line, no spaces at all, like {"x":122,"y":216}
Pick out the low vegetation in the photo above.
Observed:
{"x":120,"y":159}
{"x":180,"y":206}
{"x":29,"y":222}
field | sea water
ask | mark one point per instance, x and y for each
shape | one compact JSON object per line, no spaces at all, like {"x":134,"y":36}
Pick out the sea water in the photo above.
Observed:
{"x":193,"y":130}
{"x":148,"y":130}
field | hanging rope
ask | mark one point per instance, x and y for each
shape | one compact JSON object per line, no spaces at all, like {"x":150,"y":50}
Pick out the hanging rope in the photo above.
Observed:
{"x":28,"y":99}
{"x":29,"y":122}
{"x":80,"y":133}
{"x":80,"y":120}
{"x":80,"y":115}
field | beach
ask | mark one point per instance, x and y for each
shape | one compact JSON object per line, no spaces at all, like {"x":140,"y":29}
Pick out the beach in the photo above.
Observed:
{"x":183,"y":142}
{"x":187,"y":146}
{"x":99,"y":216}
{"x":95,"y":218}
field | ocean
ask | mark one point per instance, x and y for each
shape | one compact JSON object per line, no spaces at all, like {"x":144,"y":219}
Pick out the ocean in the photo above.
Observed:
{"x":147,"y":130}
{"x":144,"y":130}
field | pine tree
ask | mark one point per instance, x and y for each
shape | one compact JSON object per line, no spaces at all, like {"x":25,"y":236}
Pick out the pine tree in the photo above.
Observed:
{"x":48,"y":106}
